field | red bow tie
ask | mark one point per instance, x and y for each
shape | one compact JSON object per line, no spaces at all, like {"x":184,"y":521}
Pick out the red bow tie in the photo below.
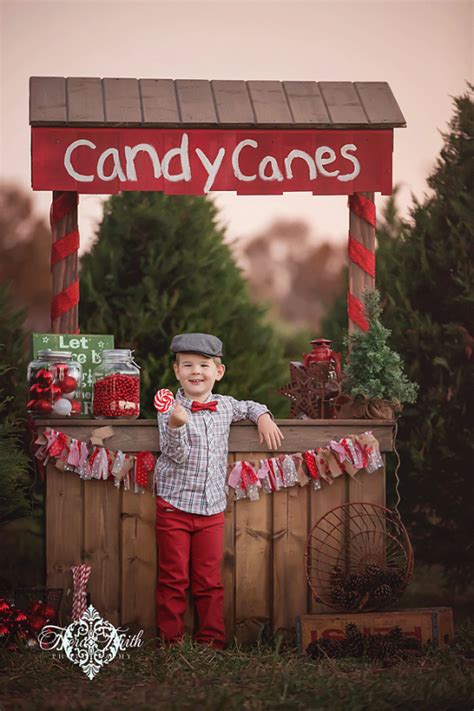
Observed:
{"x":197,"y":406}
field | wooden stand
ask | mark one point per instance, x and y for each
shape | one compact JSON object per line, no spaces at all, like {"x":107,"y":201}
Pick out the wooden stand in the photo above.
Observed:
{"x":264,"y":541}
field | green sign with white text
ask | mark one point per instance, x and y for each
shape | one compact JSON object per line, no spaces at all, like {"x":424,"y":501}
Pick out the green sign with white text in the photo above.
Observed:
{"x":85,"y":349}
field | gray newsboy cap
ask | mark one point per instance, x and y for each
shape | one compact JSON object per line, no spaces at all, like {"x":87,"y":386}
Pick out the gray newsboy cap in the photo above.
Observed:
{"x":197,"y":343}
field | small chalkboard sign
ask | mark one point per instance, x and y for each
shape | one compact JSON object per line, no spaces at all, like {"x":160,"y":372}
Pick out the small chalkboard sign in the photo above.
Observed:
{"x":86,"y":349}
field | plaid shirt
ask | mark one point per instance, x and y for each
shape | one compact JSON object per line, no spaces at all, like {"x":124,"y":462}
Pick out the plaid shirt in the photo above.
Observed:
{"x":190,"y":473}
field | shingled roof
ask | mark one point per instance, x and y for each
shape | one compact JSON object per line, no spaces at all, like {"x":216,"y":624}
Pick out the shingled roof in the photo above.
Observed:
{"x":198,"y":103}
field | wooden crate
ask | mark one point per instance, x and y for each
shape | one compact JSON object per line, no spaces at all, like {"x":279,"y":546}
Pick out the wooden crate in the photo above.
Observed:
{"x":264,"y":541}
{"x":427,"y":624}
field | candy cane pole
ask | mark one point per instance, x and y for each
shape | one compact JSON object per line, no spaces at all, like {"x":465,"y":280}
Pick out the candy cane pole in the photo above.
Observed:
{"x":80,"y":576}
{"x":361,"y":256}
{"x":64,"y":263}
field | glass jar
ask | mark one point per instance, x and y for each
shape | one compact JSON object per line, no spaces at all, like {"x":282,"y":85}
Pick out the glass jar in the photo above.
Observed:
{"x":54,"y":385}
{"x":116,"y":386}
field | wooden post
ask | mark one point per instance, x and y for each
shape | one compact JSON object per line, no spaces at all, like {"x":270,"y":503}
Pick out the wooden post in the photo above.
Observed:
{"x":64,"y":263}
{"x":361,"y":256}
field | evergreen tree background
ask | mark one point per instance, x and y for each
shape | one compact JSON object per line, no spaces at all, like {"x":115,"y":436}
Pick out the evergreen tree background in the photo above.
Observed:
{"x":425,"y":273}
{"x":160,"y":267}
{"x":21,"y":494}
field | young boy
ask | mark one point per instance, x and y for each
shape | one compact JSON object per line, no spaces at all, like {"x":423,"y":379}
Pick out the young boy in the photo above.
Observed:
{"x":189,"y":482}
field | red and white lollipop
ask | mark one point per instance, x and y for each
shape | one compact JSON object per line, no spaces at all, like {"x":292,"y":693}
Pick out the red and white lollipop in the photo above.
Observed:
{"x":164,"y":400}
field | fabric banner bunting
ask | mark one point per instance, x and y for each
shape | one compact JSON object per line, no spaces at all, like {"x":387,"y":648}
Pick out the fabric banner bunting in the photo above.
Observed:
{"x":91,"y":460}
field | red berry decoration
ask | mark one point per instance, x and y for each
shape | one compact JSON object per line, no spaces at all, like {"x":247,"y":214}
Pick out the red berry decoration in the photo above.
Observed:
{"x":117,"y":396}
{"x":4,"y":606}
{"x":68,"y":384}
{"x":19,"y":616}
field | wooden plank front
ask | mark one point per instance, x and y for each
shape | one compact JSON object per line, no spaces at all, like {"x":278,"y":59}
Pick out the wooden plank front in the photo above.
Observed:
{"x":306,"y":103}
{"x":379,"y":103}
{"x":138,"y":561}
{"x":159,"y":101}
{"x":342,"y":102}
{"x":233,"y":103}
{"x":48,"y":101}
{"x":228,"y":562}
{"x":122,"y":102}
{"x":142,"y":435}
{"x":196,"y":104}
{"x":253,"y":579}
{"x":290,"y":532}
{"x":85,"y":101}
{"x":320,"y":503}
{"x":64,"y":532}
{"x":102,"y":507}
{"x":269,"y":102}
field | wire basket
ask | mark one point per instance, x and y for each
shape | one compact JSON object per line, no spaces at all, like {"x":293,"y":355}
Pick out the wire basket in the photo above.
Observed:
{"x":358,"y":558}
{"x":24,"y":597}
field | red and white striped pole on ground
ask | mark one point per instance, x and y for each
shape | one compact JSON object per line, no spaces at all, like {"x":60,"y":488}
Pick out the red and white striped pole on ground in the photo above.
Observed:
{"x":80,"y":577}
{"x":361,"y":256}
{"x":64,"y":263}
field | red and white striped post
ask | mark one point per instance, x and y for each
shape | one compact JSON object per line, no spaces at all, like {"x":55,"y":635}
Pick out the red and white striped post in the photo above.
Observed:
{"x":64,"y":263}
{"x":361,"y":256}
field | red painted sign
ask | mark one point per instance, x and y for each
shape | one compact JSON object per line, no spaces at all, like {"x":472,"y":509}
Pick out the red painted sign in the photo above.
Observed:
{"x":195,"y":161}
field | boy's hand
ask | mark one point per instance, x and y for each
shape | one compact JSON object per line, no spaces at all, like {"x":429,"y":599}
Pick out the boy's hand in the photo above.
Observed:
{"x":268,"y":431}
{"x":178,"y":417}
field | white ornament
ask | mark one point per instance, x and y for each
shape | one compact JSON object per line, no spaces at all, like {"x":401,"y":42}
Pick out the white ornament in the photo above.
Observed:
{"x":62,"y":407}
{"x":70,"y":396}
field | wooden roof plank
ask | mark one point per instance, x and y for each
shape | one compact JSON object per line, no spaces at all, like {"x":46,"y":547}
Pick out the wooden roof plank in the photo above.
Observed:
{"x":233,"y":102}
{"x":269,"y":102}
{"x":343,"y":102}
{"x":196,"y":103}
{"x":85,"y":101}
{"x":48,"y":100}
{"x":306,"y":103}
{"x":122,"y":102}
{"x":159,"y":101}
{"x":379,"y":103}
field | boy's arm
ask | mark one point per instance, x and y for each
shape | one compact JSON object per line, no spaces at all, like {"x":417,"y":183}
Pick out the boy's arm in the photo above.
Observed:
{"x":263,"y":418}
{"x":174,"y":442}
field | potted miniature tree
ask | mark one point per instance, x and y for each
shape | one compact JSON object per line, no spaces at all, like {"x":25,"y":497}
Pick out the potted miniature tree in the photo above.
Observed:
{"x":373,"y":377}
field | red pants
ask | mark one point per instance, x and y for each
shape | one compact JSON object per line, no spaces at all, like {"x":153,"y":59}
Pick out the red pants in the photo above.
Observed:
{"x":189,"y":551}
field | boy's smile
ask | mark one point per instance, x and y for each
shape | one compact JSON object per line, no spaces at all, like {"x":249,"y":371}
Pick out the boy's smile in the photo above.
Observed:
{"x":197,"y":374}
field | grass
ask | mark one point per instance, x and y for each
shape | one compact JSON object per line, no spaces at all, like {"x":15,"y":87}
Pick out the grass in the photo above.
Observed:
{"x":189,"y":677}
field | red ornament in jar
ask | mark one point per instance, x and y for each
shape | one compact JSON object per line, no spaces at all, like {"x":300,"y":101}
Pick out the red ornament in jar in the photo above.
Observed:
{"x":116,"y":386}
{"x":50,"y":376}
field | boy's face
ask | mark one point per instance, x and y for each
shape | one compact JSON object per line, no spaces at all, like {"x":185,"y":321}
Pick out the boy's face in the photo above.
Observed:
{"x":197,"y":374}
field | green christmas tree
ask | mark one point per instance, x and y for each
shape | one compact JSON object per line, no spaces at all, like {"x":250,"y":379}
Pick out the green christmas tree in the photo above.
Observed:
{"x":160,"y":267}
{"x":425,"y":273}
{"x":374,"y":370}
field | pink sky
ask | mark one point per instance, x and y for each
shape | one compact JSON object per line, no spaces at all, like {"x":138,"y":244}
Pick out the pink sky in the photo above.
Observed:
{"x":424,"y":50}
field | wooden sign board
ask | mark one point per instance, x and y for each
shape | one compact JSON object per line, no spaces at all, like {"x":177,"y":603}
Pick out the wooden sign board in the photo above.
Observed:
{"x":430,"y":624}
{"x":196,"y":161}
{"x":86,"y":349}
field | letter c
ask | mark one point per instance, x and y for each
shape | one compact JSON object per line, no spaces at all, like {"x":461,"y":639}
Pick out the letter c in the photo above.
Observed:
{"x":235,"y":160}
{"x":68,"y":164}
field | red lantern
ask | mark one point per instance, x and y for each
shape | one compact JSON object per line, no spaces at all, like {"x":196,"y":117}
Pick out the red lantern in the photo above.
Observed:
{"x":322,"y":353}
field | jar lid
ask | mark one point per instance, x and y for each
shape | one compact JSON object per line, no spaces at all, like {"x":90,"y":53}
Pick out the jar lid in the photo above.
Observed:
{"x":48,"y":353}
{"x":117,"y":353}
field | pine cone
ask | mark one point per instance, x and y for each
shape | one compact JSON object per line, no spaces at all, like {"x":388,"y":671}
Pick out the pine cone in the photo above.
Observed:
{"x":373,"y":573}
{"x":336,"y":576}
{"x":337,"y":595}
{"x":382,"y":593}
{"x":351,"y":599}
{"x":354,"y":641}
{"x":394,"y":578}
{"x":355,"y":582}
